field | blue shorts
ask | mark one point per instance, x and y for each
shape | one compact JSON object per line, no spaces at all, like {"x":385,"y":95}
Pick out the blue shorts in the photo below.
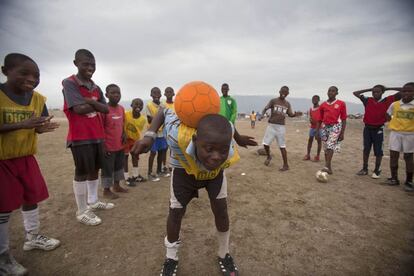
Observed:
{"x":159,"y":144}
{"x":374,"y":136}
{"x":312,"y":132}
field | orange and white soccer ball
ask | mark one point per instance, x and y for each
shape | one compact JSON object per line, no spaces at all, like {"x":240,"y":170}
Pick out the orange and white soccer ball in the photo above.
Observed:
{"x":194,"y":101}
{"x":321,"y":176}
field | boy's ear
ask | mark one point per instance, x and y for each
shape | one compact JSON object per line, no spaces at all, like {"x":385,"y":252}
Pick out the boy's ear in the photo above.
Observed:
{"x":106,"y":94}
{"x":4,"y":70}
{"x":74,"y":62}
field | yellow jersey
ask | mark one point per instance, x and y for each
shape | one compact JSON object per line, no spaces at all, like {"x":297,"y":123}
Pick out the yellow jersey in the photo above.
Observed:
{"x":133,"y":127}
{"x":402,"y":118}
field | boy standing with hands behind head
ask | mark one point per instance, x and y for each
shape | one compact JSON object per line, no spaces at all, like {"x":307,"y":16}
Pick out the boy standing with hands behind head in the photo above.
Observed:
{"x":83,"y":104}
{"x":23,"y":114}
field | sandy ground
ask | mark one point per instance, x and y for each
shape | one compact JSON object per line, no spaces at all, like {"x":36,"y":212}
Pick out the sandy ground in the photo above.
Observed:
{"x":281,"y":223}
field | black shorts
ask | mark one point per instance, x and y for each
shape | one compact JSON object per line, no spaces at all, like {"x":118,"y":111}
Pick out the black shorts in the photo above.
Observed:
{"x":184,"y":187}
{"x":88,"y":158}
{"x":374,"y":136}
{"x":113,"y":168}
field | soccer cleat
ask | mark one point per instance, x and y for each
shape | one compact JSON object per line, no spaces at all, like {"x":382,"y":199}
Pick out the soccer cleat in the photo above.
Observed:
{"x":392,"y":182}
{"x":306,"y":157}
{"x":88,"y":218}
{"x":376,"y":174}
{"x":169,"y":268}
{"x":9,"y":265}
{"x":99,"y":205}
{"x":153,"y":177}
{"x":227,"y":266}
{"x":131,"y":181}
{"x":140,"y":178}
{"x":164,"y":174}
{"x":40,"y":242}
{"x":362,"y":172}
{"x":409,"y":186}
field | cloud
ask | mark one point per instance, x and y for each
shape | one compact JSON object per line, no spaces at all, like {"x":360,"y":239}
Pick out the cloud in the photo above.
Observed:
{"x":255,"y":46}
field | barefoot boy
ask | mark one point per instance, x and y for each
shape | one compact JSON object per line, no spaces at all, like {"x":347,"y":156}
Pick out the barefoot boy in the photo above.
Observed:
{"x":374,"y":120}
{"x":253,"y":119}
{"x":199,"y":158}
{"x":135,"y":123}
{"x":402,"y":135}
{"x":84,"y":105}
{"x":113,"y":167}
{"x":332,"y":114}
{"x":279,"y":108}
{"x":313,"y":118}
{"x":23,"y":115}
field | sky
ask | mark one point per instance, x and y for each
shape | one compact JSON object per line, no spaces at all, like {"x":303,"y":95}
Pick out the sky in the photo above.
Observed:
{"x":254,"y":46}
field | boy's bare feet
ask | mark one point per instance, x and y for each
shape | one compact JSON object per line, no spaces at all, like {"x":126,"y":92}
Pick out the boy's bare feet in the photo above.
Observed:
{"x":109,"y":194}
{"x":267,"y":161}
{"x":328,"y":170}
{"x":119,"y":189}
{"x":306,"y":157}
{"x":284,"y":168}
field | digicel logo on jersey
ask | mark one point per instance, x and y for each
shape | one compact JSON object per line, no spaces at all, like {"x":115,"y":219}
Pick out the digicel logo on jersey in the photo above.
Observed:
{"x":15,"y":116}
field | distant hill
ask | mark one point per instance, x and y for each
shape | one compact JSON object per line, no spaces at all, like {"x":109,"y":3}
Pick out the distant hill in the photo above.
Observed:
{"x":245,"y":104}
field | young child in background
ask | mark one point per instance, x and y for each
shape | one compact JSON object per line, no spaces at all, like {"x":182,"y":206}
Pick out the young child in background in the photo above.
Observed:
{"x":374,"y":119}
{"x":112,"y":172}
{"x":401,"y":114}
{"x":23,"y":115}
{"x":199,"y":158}
{"x":253,"y":119}
{"x":332,"y":114}
{"x":169,"y":103}
{"x":314,"y":118}
{"x":135,"y":123}
{"x":228,"y":105}
{"x":84,"y":104}
{"x":160,"y":146}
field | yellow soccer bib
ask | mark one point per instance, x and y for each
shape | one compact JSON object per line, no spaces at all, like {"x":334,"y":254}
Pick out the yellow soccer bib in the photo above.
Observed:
{"x":185,"y":135}
{"x":402,"y":119}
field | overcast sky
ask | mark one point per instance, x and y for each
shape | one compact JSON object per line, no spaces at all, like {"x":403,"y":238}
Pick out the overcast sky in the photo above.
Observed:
{"x":255,"y":46}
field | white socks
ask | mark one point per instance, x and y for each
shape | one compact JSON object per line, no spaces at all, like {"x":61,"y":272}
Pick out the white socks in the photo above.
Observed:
{"x":134,"y":171}
{"x":223,"y":242}
{"x":172,"y":249}
{"x":4,"y":232}
{"x":126,"y":175}
{"x":80,"y":191}
{"x":93,"y":186}
{"x":31,"y":222}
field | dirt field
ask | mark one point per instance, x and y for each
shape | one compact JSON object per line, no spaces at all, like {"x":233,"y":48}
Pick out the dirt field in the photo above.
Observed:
{"x":281,"y":223}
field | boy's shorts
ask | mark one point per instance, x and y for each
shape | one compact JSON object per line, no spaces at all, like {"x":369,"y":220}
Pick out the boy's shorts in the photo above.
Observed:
{"x":275,"y":131}
{"x":21,"y":183}
{"x":374,"y":136}
{"x":128,"y":146}
{"x":330,"y":135}
{"x":113,"y":168}
{"x":312,"y":132}
{"x":401,"y":142}
{"x":184,"y":187}
{"x":88,"y":158}
{"x":159,"y":144}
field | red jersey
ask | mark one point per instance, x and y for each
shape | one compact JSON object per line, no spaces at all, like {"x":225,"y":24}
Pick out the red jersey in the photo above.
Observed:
{"x":332,"y":113}
{"x":375,"y":110}
{"x":114,"y":126}
{"x":314,"y":116}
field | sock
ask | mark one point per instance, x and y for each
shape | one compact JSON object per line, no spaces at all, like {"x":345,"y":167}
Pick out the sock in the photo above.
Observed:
{"x":92,"y":191}
{"x":223,"y":241}
{"x":31,"y":222}
{"x":135,"y":171}
{"x":4,"y":232}
{"x":172,"y":249}
{"x":409,"y":177}
{"x":126,"y":175}
{"x":79,"y":189}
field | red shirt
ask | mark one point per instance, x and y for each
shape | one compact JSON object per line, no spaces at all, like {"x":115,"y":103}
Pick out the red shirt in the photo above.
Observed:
{"x":114,"y":126}
{"x":332,"y":113}
{"x":375,"y":110}
{"x":314,"y":116}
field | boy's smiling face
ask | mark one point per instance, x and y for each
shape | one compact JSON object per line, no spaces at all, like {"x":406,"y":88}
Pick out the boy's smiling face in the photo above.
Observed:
{"x":169,"y":93}
{"x":407,"y":93}
{"x":86,"y":66}
{"x":332,"y":92}
{"x":156,"y":95}
{"x":23,"y":77}
{"x":137,"y":105}
{"x":114,"y":95}
{"x":377,"y":93}
{"x":212,"y":150}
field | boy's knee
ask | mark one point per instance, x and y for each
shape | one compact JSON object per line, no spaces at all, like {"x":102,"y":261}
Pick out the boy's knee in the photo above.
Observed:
{"x":176,"y":214}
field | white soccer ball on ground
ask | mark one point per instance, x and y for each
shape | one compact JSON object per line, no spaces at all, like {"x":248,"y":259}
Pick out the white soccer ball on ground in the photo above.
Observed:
{"x":321,"y":176}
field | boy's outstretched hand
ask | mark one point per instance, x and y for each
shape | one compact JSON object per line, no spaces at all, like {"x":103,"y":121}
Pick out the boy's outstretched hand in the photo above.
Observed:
{"x":142,"y":146}
{"x":35,"y":122}
{"x":244,"y":141}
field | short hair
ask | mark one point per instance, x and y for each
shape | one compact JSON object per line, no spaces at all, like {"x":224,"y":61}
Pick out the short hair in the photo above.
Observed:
{"x":380,"y":86}
{"x":409,"y":84}
{"x":155,"y":89}
{"x":169,"y":88}
{"x":336,"y":88}
{"x":316,"y":96}
{"x":109,"y":86}
{"x":224,"y":84}
{"x":137,"y":100}
{"x":284,"y":86}
{"x":13,"y":59}
{"x":214,"y":123}
{"x":83,"y":53}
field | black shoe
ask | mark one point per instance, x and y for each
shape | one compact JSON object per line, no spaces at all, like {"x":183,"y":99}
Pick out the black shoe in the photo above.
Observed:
{"x":131,"y":182}
{"x":169,"y":268}
{"x":409,"y":186}
{"x":140,"y":178}
{"x":392,"y":182}
{"x":227,"y":266}
{"x":362,"y":172}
